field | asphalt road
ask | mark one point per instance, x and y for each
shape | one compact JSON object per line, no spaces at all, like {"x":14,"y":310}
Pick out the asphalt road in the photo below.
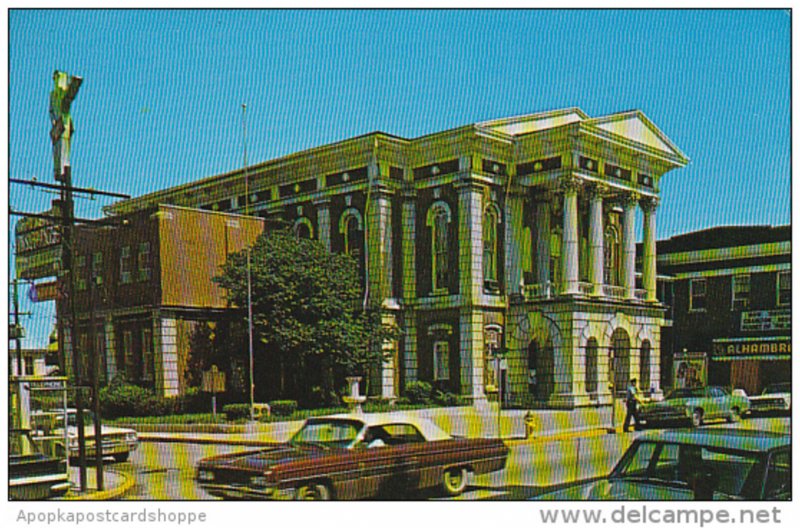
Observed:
{"x":165,"y":471}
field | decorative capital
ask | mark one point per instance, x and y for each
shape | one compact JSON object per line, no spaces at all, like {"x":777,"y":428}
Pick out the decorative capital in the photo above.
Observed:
{"x":598,"y":190}
{"x":649,"y":203}
{"x":569,"y":184}
{"x":630,"y":199}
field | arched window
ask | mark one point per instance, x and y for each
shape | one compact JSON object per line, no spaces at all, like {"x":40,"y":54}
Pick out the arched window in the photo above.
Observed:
{"x":591,"y":365}
{"x":439,"y":218}
{"x":621,"y":348}
{"x":351,"y":227}
{"x":611,"y":256}
{"x":644,"y":366}
{"x":303,"y":229}
{"x":491,"y":218}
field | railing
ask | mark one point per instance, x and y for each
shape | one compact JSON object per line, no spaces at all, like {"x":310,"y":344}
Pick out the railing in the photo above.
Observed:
{"x":538,"y":291}
{"x":586,"y":288}
{"x":616,"y":292}
{"x":640,"y":295}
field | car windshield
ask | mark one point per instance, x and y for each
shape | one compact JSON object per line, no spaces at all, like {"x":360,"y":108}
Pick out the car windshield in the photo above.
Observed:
{"x":777,"y":388}
{"x":327,"y":433}
{"x":697,"y":392}
{"x":728,"y":472}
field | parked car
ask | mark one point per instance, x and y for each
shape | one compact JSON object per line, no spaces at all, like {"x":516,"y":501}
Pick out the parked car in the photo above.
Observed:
{"x":696,"y":406}
{"x":118,"y":442}
{"x":713,"y":464}
{"x":32,"y":475}
{"x":353,"y":456}
{"x":775,"y":397}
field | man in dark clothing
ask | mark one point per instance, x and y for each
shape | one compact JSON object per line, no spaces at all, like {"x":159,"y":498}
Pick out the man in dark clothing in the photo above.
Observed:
{"x":631,"y":402}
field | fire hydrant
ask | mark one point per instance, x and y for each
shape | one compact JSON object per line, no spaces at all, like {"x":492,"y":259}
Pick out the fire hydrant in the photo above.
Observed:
{"x":530,"y":425}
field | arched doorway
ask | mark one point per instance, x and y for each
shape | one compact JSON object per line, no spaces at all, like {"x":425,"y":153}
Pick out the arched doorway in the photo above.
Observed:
{"x":540,"y":370}
{"x":644,"y":366}
{"x":591,"y":366}
{"x":621,"y":348}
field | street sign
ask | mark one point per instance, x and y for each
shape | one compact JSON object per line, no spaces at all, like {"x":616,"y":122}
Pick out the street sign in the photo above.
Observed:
{"x":213,"y":380}
{"x":38,"y":246}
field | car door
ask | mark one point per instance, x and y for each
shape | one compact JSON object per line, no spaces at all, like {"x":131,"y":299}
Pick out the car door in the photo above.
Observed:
{"x":722,"y":402}
{"x":778,"y":482}
{"x":377,"y":462}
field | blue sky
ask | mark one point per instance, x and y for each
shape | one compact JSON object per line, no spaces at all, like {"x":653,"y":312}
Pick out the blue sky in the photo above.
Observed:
{"x":161,"y":99}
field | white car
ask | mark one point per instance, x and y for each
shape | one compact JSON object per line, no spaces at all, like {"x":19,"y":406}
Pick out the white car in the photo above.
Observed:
{"x":775,"y":397}
{"x":118,"y":442}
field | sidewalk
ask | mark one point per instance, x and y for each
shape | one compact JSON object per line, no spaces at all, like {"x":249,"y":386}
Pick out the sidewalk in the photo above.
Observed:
{"x":458,"y":421}
{"x":115,"y":484}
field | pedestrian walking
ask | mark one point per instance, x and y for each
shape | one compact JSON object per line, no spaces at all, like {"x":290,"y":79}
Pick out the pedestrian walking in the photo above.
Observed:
{"x":631,"y":405}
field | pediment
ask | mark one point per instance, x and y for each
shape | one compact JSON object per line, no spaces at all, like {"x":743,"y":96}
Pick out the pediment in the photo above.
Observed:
{"x":526,"y":124}
{"x":635,"y":126}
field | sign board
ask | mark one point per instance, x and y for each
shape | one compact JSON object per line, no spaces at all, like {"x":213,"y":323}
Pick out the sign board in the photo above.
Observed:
{"x":44,"y":291}
{"x":38,"y":247}
{"x":213,"y":380}
{"x":759,"y":320}
{"x":689,"y":369}
{"x":751,"y":348}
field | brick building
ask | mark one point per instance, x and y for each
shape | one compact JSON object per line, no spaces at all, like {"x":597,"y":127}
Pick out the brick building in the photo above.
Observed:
{"x":729,"y":290}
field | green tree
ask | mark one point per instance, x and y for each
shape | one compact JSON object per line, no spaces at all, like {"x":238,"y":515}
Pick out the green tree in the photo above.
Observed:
{"x":308,"y":311}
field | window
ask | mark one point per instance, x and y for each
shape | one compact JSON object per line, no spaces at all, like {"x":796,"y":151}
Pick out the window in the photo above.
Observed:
{"x":125,"y":265}
{"x":611,"y":256}
{"x":438,"y":220}
{"x":784,"y":288}
{"x":351,"y":229}
{"x":490,"y":221}
{"x":644,"y":366}
{"x":697,"y":294}
{"x":80,"y":272}
{"x":147,"y":354}
{"x":97,"y":268}
{"x":441,"y":361}
{"x":303,"y":229}
{"x":591,"y":365}
{"x":740,"y":286}
{"x":127,"y":352}
{"x":144,"y":261}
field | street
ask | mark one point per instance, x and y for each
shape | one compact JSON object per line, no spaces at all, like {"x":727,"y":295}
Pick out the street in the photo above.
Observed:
{"x":165,"y":470}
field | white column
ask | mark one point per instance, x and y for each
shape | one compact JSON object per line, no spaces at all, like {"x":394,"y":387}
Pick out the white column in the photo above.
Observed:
{"x":379,"y":244}
{"x":471,"y":354}
{"x":513,"y":243}
{"x":569,"y":241}
{"x":649,"y":206}
{"x":324,"y":221}
{"x":543,"y":241}
{"x":596,"y":240}
{"x":166,"y":355}
{"x":470,"y":241}
{"x":629,"y":245}
{"x":409,"y":249}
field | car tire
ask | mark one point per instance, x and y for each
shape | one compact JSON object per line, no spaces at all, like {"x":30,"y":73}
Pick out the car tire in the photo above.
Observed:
{"x":314,"y":492}
{"x":697,"y":417}
{"x":454,"y":481}
{"x":735,"y":415}
{"x":122,"y":457}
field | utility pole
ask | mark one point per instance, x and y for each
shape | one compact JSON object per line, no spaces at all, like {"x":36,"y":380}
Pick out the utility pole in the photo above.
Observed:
{"x":98,"y":427}
{"x":65,"y":89}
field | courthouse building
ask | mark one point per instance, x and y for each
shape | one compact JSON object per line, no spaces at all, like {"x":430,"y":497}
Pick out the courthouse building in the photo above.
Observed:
{"x":516,"y":235}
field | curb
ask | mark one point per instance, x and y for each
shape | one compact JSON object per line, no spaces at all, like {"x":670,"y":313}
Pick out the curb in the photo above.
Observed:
{"x":127,"y":484}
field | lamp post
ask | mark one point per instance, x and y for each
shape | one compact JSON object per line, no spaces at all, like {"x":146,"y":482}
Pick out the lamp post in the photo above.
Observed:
{"x":248,"y":273}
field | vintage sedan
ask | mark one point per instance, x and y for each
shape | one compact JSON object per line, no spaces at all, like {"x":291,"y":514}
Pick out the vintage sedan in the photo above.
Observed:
{"x":118,"y":442}
{"x":32,"y":475}
{"x":775,"y":398}
{"x":695,"y":406}
{"x":353,"y":456}
{"x":712,"y":464}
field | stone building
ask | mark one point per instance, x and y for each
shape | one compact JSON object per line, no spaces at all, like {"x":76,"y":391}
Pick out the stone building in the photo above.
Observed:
{"x":515,"y":235}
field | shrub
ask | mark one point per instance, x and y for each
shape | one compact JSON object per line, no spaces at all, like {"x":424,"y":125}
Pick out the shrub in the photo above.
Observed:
{"x":236,"y":411}
{"x":123,"y":399}
{"x":283,"y":407}
{"x":447,"y":399}
{"x":418,"y":391}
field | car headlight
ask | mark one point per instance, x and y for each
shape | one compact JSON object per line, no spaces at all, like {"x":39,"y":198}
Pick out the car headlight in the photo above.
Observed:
{"x":205,"y":475}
